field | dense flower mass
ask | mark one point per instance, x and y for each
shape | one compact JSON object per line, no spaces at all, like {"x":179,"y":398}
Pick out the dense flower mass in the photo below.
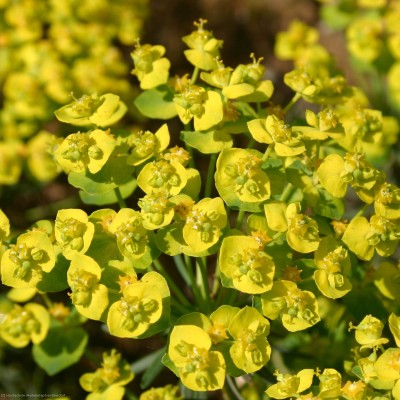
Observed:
{"x":231,"y":246}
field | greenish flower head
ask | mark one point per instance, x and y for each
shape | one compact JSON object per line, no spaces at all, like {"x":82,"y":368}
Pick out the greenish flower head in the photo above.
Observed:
{"x":73,"y":232}
{"x":156,"y":210}
{"x":151,"y":68}
{"x":325,"y":120}
{"x":92,"y":110}
{"x":145,"y":144}
{"x":330,"y":382}
{"x":302,"y":234}
{"x":136,"y":310}
{"x":290,"y":385}
{"x":162,"y":176}
{"x":387,"y":201}
{"x":291,"y":43}
{"x":25,"y":262}
{"x":334,"y":267}
{"x":204,"y":223}
{"x":298,"y":308}
{"x":250,"y":350}
{"x":142,"y":307}
{"x":82,"y":284}
{"x":89,"y":297}
{"x":80,"y":152}
{"x":109,"y":380}
{"x":199,"y":368}
{"x":203,"y":47}
{"x":369,"y":332}
{"x":168,"y":392}
{"x":86,"y":105}
{"x":131,"y":236}
{"x":240,"y":180}
{"x":364,"y":38}
{"x":362,"y":123}
{"x":193,"y":101}
{"x":245,"y":266}
{"x":23,"y":324}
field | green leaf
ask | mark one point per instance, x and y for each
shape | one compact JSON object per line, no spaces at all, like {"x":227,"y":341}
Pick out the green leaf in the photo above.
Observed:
{"x":157,"y":103}
{"x":115,"y":172}
{"x":104,"y":198}
{"x":329,"y":206}
{"x":153,"y":370}
{"x":56,"y":279}
{"x":208,"y":142}
{"x":61,"y":349}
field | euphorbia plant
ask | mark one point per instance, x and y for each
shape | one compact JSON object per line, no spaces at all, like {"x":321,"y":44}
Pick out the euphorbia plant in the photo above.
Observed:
{"x":237,"y":267}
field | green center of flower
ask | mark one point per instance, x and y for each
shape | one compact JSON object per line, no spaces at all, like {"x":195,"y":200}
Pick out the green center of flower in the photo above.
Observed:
{"x":143,"y":144}
{"x":86,"y":105}
{"x":131,"y":236}
{"x":20,"y":322}
{"x":331,"y":263}
{"x":71,"y":233}
{"x":27,"y":259}
{"x":244,"y":172}
{"x":197,"y":361}
{"x":191,"y":98}
{"x":303,"y":226}
{"x":202,"y":221}
{"x":137,"y":310}
{"x":81,"y":147}
{"x":247,"y":264}
{"x":82,"y":286}
{"x":154,"y":206}
{"x":163,"y":174}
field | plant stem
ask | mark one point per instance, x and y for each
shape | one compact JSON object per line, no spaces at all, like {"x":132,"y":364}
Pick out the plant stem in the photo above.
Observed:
{"x":240,"y":217}
{"x":268,"y":151}
{"x":205,"y":287}
{"x":193,"y":283}
{"x":361,"y":211}
{"x":179,"y":294}
{"x":286,"y":192}
{"x":292,"y":102}
{"x":210,"y":175}
{"x":233,"y":389}
{"x":181,"y":267}
{"x":194,"y":75}
{"x":121,"y":201}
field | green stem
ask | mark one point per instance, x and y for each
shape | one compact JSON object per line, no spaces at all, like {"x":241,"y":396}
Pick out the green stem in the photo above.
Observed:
{"x":189,"y":149}
{"x":121,"y":201}
{"x":286,"y":192}
{"x":216,"y":282}
{"x":194,"y":75}
{"x":181,"y":297}
{"x":205,"y":287}
{"x":361,"y":211}
{"x":46,"y":299}
{"x":251,"y":144}
{"x":292,"y":102}
{"x":240,"y":217}
{"x":180,"y":307}
{"x":232,"y":389}
{"x":181,"y":267}
{"x":268,"y":151}
{"x":193,"y":283}
{"x":210,"y":175}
